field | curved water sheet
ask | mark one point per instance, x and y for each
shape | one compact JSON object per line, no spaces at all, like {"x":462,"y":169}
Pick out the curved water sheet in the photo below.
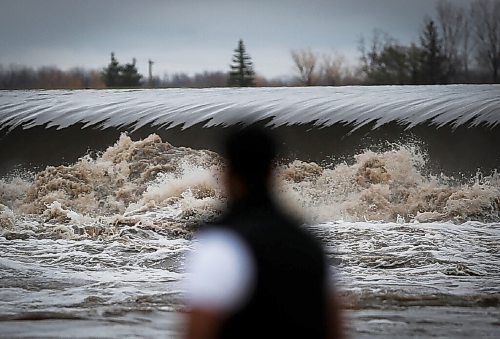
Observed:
{"x":455,"y":105}
{"x":95,"y":248}
{"x":456,"y":124}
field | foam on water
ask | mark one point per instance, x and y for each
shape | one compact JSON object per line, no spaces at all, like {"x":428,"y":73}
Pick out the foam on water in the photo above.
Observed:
{"x":390,"y":186}
{"x":101,"y":242}
{"x":152,"y":184}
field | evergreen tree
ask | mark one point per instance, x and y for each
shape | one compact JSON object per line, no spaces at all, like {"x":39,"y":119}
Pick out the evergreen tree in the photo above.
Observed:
{"x":116,"y":75}
{"x":111,"y":74}
{"x":387,"y":61}
{"x":242,"y":73}
{"x":413,"y":56}
{"x":432,"y":56}
{"x":130,"y":77}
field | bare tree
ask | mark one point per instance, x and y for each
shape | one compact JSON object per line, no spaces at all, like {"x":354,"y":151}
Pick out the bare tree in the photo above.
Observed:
{"x":452,"y":23}
{"x":485,"y":16}
{"x":334,"y":69}
{"x":466,"y":46}
{"x":305,"y":60}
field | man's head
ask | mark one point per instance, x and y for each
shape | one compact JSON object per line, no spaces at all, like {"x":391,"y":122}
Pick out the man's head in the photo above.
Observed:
{"x":250,"y":153}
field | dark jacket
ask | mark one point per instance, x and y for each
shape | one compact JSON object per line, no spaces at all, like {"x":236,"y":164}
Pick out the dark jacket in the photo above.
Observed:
{"x":289,"y":299}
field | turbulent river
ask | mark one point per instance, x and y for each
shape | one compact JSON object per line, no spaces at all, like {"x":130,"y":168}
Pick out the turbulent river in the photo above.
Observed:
{"x":94,"y":246}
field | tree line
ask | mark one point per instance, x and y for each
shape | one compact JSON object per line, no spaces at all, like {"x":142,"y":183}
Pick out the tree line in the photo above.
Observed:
{"x":458,"y":45}
{"x":49,"y":77}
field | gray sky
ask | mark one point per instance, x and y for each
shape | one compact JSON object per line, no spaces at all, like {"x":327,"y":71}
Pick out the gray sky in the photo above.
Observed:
{"x":193,"y":36}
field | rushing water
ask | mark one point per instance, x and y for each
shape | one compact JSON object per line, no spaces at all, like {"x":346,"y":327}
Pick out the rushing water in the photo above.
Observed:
{"x":398,"y":280}
{"x":95,"y":247}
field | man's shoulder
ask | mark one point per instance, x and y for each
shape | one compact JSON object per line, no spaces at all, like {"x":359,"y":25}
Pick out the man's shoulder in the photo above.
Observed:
{"x":221,"y":270}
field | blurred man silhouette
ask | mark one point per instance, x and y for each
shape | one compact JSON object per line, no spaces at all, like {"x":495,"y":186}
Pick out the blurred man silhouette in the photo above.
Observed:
{"x":257,"y":273}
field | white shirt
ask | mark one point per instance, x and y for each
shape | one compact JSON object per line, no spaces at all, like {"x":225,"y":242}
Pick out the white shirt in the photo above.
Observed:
{"x":221,"y":271}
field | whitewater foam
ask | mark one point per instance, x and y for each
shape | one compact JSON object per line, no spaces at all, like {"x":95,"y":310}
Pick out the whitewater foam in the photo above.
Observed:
{"x":153,"y":185}
{"x":386,"y":186}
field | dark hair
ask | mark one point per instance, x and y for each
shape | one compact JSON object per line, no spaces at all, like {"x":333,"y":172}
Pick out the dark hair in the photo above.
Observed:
{"x":250,"y":153}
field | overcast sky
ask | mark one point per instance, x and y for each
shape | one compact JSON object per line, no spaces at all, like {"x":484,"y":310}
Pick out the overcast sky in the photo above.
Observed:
{"x":193,"y":36}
